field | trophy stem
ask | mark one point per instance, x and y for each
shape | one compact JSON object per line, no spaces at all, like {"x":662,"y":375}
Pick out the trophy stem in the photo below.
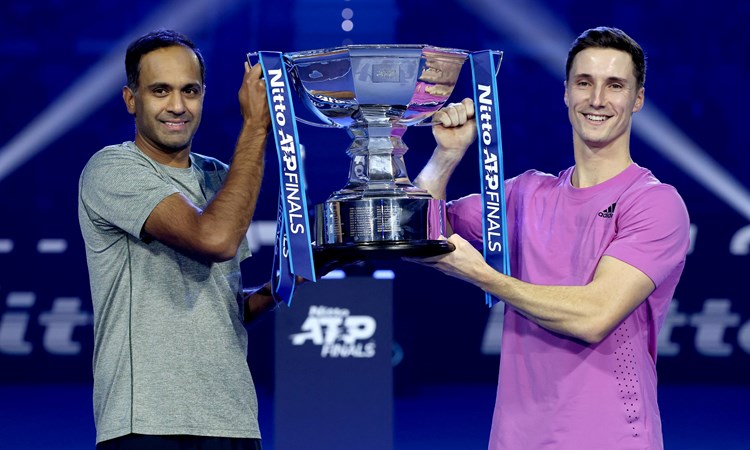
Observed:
{"x":377,"y":167}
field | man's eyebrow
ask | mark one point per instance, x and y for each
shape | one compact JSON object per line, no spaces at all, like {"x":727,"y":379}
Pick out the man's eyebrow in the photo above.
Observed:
{"x":193,"y":85}
{"x":163,"y":85}
{"x":617,"y":80}
{"x":608,"y":79}
{"x":158,"y":84}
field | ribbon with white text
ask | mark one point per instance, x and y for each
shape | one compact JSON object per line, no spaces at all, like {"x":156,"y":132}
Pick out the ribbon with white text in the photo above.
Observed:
{"x":293,"y":250}
{"x":487,"y":115}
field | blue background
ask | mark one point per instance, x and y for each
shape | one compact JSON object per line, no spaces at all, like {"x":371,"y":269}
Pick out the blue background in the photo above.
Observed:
{"x":61,"y":71}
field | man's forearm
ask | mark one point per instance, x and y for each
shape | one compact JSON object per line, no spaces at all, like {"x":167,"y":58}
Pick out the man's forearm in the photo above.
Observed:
{"x":436,"y":173}
{"x":229,"y":213}
{"x":257,"y":301}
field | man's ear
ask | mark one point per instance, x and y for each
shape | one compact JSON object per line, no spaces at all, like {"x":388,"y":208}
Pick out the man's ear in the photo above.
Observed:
{"x":565,"y":96}
{"x":129,"y":98}
{"x":639,"y":99}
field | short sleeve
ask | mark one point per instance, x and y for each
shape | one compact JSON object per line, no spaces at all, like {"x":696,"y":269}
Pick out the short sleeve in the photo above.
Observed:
{"x":120,"y":188}
{"x":653,"y":232}
{"x":465,"y":217}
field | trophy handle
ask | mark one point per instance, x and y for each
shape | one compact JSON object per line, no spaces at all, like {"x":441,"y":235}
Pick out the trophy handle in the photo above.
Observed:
{"x":497,"y":53}
{"x":254,"y":56}
{"x":250,"y":57}
{"x":316,"y":124}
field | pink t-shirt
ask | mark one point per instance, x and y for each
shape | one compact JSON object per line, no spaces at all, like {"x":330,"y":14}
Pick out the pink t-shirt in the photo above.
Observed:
{"x":556,"y":392}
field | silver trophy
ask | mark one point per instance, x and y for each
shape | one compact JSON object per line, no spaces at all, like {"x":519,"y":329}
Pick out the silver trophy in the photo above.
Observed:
{"x":375,"y":92}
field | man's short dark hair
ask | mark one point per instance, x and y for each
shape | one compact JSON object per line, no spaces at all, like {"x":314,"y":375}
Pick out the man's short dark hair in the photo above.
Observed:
{"x":152,"y":41}
{"x":607,"y":37}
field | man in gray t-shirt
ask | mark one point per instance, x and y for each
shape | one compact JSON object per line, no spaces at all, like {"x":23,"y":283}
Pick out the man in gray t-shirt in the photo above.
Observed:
{"x":164,"y":230}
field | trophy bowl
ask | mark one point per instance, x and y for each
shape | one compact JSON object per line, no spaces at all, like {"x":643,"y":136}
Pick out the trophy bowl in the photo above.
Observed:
{"x":375,"y":92}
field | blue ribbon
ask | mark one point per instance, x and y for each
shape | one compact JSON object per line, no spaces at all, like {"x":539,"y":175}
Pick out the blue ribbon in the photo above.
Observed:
{"x":282,"y":279}
{"x":487,"y":114}
{"x":293,"y":248}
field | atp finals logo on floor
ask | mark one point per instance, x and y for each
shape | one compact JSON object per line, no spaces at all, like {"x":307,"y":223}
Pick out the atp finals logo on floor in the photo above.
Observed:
{"x":338,"y":333}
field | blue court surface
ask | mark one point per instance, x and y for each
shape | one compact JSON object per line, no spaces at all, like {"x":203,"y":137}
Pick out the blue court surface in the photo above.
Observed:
{"x":440,"y":417}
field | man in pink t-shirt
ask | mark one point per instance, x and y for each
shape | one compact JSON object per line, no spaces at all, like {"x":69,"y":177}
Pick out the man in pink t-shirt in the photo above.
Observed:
{"x":596,"y":253}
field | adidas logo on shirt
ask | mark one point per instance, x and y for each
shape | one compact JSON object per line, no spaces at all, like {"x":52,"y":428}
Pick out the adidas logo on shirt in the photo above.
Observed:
{"x":609,"y":212}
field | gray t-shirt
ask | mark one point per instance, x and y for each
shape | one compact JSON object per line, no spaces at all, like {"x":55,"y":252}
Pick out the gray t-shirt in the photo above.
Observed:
{"x":170,"y":346}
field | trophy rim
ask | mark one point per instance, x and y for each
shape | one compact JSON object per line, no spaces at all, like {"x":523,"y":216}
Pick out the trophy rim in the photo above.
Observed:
{"x":303,"y":54}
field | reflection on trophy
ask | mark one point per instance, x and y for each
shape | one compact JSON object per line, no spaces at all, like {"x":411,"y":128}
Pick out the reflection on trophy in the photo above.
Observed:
{"x":375,"y":92}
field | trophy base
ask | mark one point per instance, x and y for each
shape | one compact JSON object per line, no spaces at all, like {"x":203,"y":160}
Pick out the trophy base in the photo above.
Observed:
{"x":328,"y":257}
{"x":378,"y":222}
{"x":378,"y":228}
{"x":384,"y":250}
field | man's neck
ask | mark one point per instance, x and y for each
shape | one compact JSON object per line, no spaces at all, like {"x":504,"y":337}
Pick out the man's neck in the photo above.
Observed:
{"x":179,"y":158}
{"x":594,"y":166}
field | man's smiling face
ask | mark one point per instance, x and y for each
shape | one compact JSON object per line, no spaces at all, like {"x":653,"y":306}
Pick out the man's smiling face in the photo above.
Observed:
{"x":602,"y":94}
{"x":169,"y":100}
